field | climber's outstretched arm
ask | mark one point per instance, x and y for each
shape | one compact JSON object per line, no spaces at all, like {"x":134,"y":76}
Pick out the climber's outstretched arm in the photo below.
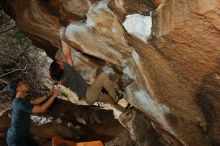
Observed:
{"x":42,"y":108}
{"x":39,"y":100}
{"x":67,"y":51}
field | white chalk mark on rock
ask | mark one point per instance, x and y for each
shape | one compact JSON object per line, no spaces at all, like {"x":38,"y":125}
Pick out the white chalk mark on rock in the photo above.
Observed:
{"x":40,"y":120}
{"x":108,"y":70}
{"x":129,"y":72}
{"x":135,"y":56}
{"x":139,"y":26}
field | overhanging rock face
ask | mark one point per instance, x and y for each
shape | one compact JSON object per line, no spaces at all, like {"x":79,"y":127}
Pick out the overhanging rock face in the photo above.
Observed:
{"x":175,"y":70}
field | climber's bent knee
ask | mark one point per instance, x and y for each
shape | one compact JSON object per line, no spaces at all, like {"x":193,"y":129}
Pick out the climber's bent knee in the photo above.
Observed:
{"x":89,"y":101}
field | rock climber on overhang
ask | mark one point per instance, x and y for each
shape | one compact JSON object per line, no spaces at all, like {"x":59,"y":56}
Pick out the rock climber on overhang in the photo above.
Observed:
{"x":62,"y":70}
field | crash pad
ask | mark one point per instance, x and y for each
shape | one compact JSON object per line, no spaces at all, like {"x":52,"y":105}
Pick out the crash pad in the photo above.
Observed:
{"x":57,"y":141}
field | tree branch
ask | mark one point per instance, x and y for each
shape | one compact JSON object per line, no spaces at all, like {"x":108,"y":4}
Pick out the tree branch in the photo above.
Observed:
{"x":3,"y":81}
{"x":8,"y":29}
{"x":14,"y":71}
{"x":14,"y":62}
{"x":4,"y":90}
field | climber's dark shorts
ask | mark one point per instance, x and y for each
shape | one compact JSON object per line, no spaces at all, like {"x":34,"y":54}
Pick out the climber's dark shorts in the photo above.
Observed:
{"x":15,"y":140}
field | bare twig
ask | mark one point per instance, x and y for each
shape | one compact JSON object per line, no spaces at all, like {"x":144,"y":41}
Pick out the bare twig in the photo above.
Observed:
{"x":4,"y":90}
{"x":3,"y":81}
{"x":13,"y":61}
{"x":8,"y":29}
{"x":14,"y":71}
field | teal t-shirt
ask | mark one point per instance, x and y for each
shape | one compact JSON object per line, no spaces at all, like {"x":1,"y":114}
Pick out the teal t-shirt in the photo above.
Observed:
{"x":73,"y":80}
{"x":20,"y":122}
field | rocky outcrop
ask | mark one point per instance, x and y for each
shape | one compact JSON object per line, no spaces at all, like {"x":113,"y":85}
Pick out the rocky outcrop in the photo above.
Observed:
{"x":75,"y":122}
{"x":133,"y":120}
{"x":173,"y":73}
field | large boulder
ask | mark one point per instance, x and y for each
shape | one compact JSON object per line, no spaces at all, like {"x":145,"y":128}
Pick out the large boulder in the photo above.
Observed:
{"x":168,"y":49}
{"x":71,"y":121}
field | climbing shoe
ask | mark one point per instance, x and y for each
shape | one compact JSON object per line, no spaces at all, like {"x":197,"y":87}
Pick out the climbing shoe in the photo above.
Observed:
{"x":119,"y":96}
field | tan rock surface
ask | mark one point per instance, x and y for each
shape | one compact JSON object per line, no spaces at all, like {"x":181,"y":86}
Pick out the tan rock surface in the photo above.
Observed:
{"x":174,"y":75}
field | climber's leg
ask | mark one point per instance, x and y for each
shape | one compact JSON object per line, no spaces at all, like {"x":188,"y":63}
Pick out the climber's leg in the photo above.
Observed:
{"x":94,"y":91}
